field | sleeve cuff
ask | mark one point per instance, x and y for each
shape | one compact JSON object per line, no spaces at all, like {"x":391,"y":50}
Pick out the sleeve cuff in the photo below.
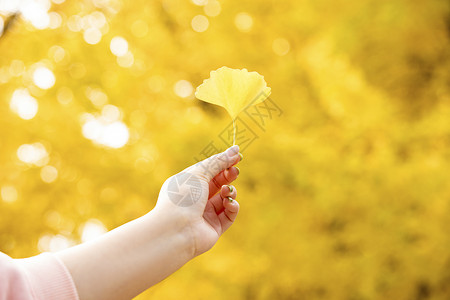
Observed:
{"x":49,"y":278}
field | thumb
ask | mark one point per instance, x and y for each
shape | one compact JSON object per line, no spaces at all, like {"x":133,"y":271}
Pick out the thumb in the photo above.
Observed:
{"x":215,"y":164}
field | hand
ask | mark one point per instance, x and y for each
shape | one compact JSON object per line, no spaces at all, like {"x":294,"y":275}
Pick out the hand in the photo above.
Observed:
{"x":201,"y":198}
{"x":191,"y":213}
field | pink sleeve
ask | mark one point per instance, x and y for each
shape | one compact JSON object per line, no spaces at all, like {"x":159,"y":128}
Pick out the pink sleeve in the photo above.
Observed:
{"x":39,"y":277}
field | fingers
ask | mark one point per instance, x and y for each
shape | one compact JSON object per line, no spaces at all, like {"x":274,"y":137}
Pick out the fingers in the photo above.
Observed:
{"x":225,"y":206}
{"x":212,"y":166}
{"x":223,"y":178}
{"x":218,"y":200}
{"x":229,"y":214}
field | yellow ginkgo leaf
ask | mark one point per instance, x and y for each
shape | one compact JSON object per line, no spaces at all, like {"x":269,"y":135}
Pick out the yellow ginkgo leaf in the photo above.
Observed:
{"x":233,"y":89}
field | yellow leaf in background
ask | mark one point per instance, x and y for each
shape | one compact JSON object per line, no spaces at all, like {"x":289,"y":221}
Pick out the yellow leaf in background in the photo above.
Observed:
{"x":233,"y":89}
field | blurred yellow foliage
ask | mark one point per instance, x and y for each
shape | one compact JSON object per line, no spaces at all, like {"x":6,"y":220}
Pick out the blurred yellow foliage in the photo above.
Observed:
{"x":344,"y":189}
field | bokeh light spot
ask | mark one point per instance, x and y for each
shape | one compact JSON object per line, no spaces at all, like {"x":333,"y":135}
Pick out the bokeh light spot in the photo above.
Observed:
{"x":49,"y":174}
{"x":281,"y":46}
{"x":156,"y":83}
{"x":111,"y":113}
{"x":74,"y":23}
{"x":9,"y":193}
{"x":104,"y":132}
{"x":119,"y":46}
{"x":143,"y":164}
{"x":64,"y":95}
{"x":16,"y":68}
{"x":4,"y":75}
{"x":97,"y":19}
{"x":92,"y":36}
{"x":57,"y":53}
{"x":43,"y":78}
{"x":194,"y":115}
{"x":97,"y":96}
{"x":243,"y":22}
{"x":23,"y":104}
{"x":126,"y":61}
{"x":115,"y":135}
{"x":200,"y":2}
{"x":53,"y":219}
{"x":212,"y":8}
{"x":55,"y":20}
{"x":183,"y":88}
{"x":200,"y":23}
{"x":92,"y":229}
{"x":54,"y":243}
{"x":36,"y":12}
{"x":33,"y":154}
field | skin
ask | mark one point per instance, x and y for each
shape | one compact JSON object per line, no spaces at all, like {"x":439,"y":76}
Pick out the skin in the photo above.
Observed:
{"x":135,"y":256}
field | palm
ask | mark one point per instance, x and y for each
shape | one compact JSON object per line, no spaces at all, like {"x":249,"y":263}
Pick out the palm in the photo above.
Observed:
{"x":205,"y":236}
{"x":211,"y":220}
{"x":203,"y":200}
{"x":206,"y":225}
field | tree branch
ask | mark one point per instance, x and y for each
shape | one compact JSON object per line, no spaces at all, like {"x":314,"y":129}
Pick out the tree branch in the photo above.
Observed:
{"x":9,"y":22}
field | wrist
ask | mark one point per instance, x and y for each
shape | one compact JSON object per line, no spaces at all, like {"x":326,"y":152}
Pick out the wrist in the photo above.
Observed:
{"x":175,"y":228}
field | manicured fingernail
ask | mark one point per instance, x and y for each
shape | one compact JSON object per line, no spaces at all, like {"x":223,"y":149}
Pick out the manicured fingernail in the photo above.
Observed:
{"x":242,"y":156}
{"x":239,"y":171}
{"x":232,"y":151}
{"x":231,"y":188}
{"x":230,"y":199}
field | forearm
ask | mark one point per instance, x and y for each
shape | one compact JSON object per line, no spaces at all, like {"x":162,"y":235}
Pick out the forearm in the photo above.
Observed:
{"x":129,"y":259}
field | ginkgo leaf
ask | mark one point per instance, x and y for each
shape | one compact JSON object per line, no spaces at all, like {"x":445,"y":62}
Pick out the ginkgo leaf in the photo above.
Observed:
{"x":233,"y":89}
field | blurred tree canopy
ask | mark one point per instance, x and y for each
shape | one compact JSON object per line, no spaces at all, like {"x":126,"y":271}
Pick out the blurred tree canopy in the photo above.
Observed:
{"x":344,"y":194}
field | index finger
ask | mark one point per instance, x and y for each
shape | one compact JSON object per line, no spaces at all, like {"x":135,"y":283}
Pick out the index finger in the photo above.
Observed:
{"x":212,"y":166}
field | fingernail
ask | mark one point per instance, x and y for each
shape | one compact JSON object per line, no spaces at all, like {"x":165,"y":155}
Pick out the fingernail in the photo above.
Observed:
{"x":239,"y":171}
{"x":241,"y":156}
{"x":231,"y":188}
{"x":230,"y":199}
{"x":232,"y":151}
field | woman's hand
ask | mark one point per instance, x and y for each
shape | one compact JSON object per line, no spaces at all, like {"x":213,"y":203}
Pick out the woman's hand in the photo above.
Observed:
{"x":192,"y":211}
{"x":201,"y":198}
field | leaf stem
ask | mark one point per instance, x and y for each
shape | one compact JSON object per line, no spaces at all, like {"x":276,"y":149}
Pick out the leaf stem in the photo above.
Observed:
{"x":234,"y":132}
